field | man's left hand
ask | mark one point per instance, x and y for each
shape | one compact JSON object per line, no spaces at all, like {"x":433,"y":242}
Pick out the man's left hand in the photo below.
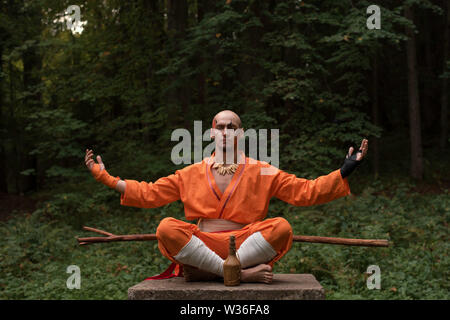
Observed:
{"x":360,"y":155}
{"x":351,"y":161}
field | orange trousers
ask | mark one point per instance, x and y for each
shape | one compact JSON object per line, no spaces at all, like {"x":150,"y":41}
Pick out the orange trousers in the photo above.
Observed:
{"x":173,"y":235}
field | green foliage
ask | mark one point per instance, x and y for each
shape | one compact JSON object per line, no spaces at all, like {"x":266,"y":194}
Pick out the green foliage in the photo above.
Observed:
{"x":121,"y":87}
{"x":416,"y":264}
{"x":36,"y":250}
{"x":301,"y":67}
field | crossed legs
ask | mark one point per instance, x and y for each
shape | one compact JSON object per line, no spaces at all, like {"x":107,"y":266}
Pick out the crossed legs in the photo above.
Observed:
{"x":258,"y":245}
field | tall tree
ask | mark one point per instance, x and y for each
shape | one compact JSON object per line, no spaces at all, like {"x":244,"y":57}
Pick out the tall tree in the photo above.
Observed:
{"x":375,"y":145}
{"x":204,"y":7}
{"x":3,"y":181}
{"x":177,"y":22}
{"x":415,"y":134}
{"x":428,"y":75}
{"x":445,"y":88}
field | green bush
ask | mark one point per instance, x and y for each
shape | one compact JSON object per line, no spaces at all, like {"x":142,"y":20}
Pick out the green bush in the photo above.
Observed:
{"x":37,"y":248}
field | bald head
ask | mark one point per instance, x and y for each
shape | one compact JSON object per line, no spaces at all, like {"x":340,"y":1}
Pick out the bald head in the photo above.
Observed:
{"x":227,"y":118}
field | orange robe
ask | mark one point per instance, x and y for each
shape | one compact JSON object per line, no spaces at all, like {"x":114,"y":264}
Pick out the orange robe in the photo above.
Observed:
{"x":245,"y":201}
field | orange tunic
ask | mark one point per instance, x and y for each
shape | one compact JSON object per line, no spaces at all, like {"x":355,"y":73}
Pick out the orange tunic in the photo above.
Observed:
{"x":245,"y":200}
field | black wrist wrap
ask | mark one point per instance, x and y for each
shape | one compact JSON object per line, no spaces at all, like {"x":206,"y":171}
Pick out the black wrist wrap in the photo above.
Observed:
{"x":350,"y":164}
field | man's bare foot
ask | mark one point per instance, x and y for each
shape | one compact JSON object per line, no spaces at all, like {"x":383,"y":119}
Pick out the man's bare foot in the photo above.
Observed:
{"x":192,"y":274}
{"x":260,"y":273}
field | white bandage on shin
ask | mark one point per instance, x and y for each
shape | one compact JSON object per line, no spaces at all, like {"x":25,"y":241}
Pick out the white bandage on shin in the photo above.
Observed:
{"x":255,"y":250}
{"x":196,"y":253}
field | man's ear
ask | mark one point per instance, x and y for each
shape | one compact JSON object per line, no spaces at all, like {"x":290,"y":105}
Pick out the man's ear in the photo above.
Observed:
{"x":212,"y":133}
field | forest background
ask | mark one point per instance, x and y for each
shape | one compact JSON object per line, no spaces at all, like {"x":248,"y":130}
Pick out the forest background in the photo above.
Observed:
{"x":120,"y":81}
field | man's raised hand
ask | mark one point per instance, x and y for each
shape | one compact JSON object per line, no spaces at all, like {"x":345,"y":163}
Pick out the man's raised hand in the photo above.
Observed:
{"x":101,"y":175}
{"x":90,"y":162}
{"x":351,"y":160}
{"x":361,"y":153}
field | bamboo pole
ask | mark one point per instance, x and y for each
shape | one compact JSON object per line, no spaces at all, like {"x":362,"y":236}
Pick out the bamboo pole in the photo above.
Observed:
{"x":311,"y":239}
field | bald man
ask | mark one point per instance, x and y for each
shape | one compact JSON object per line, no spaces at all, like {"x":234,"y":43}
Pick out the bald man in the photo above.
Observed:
{"x":227,"y":195}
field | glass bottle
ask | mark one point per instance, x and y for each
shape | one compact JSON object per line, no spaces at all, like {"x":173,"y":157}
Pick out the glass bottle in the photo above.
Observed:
{"x":232,"y":266}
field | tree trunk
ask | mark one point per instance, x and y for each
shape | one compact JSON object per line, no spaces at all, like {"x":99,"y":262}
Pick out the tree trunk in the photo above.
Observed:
{"x":414,"y":105}
{"x":31,"y":69}
{"x":202,"y":9}
{"x":3,"y":171}
{"x":375,"y":117}
{"x":13,"y":156}
{"x":177,"y":18}
{"x":444,"y":94}
{"x":428,"y":79}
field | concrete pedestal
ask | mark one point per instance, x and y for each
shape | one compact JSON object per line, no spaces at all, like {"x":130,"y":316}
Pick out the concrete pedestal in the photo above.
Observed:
{"x":283,"y":287}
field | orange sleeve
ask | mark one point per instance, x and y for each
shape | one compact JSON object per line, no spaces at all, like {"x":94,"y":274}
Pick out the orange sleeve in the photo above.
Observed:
{"x":303,"y":192}
{"x":104,"y":177}
{"x":151,"y":195}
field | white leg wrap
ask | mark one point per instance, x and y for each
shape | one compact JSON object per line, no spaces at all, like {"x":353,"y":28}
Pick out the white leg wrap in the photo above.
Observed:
{"x":196,"y":253}
{"x":255,"y":250}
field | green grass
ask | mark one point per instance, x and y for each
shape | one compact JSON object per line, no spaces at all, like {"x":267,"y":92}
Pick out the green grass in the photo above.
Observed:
{"x":37,"y":248}
{"x":415,"y":266}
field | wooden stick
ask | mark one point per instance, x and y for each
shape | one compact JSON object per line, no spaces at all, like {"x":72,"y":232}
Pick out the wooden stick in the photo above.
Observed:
{"x":128,"y":237}
{"x":312,"y":239}
{"x":98,"y":231}
{"x":343,"y":241}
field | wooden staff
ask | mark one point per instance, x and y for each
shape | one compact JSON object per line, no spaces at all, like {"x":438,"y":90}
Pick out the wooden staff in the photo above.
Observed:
{"x":312,"y":239}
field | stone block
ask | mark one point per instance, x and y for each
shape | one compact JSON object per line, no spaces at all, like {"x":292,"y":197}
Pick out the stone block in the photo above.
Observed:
{"x":283,"y":287}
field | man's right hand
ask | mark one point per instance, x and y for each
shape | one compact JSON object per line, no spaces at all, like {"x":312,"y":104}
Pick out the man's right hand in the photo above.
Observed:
{"x":100,"y":174}
{"x":90,"y":162}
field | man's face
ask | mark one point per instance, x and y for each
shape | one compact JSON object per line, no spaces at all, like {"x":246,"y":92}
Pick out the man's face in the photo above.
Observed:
{"x":226,"y":131}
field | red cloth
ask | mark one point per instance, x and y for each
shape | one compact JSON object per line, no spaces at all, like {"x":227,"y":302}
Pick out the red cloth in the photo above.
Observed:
{"x":169,"y":272}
